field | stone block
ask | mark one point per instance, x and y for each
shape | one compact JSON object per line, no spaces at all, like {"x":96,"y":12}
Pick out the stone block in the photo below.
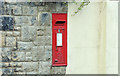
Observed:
{"x":44,"y":19}
{"x":37,"y":3}
{"x":48,"y":31}
{"x":14,"y":56}
{"x":29,"y":56}
{"x":0,"y":64}
{"x":40,"y":41}
{"x":18,"y":56}
{"x":38,"y":53}
{"x":61,"y":7}
{"x":18,"y":69}
{"x":6,"y":58}
{"x":10,"y":41}
{"x":28,"y":66}
{"x":21,"y":20}
{"x":0,"y":40}
{"x":1,"y":18}
{"x":18,"y":20}
{"x":50,"y":6}
{"x":9,"y":33}
{"x":20,"y":73}
{"x":41,"y":9}
{"x":40,"y":33}
{"x":0,"y":71}
{"x":16,"y":64}
{"x":27,"y":10}
{"x":25,"y":45}
{"x":41,"y":53}
{"x":58,"y":70}
{"x":3,"y":33}
{"x":8,"y":10}
{"x":28,"y":33}
{"x":6,"y":49}
{"x":1,"y":10}
{"x":7,"y":23}
{"x":21,"y":56}
{"x":19,"y":39}
{"x":3,"y":41}
{"x":16,"y":33}
{"x":17,"y":9}
{"x":16,"y":28}
{"x":40,"y":28}
{"x":48,"y":40}
{"x":6,"y":55}
{"x":33,"y":20}
{"x":7,"y":71}
{"x":35,"y":53}
{"x":44,"y":68}
{"x":4,"y":65}
{"x":31,"y":73}
{"x":48,"y":53}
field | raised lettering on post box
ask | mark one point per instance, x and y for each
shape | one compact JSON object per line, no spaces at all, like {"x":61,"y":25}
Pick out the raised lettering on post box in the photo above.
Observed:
{"x":59,"y":39}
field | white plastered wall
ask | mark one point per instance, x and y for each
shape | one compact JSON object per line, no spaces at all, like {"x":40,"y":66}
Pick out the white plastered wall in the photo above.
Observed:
{"x":112,"y":38}
{"x":92,"y":39}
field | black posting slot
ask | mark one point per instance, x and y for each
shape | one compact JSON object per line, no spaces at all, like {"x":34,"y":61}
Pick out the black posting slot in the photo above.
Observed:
{"x":60,"y":22}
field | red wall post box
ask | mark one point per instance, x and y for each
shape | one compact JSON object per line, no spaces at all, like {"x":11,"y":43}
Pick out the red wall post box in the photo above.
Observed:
{"x":59,"y":39}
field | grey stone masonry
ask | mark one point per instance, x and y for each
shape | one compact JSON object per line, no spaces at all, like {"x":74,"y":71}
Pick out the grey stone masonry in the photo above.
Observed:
{"x":26,"y":33}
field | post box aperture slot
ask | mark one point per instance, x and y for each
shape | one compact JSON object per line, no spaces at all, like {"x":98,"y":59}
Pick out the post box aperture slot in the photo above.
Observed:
{"x":59,"y":23}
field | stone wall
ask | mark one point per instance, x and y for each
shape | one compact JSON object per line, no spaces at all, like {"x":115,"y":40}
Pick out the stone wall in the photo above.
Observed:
{"x":26,"y":30}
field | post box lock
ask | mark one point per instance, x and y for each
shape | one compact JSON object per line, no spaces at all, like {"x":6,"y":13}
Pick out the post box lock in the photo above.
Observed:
{"x":59,"y":39}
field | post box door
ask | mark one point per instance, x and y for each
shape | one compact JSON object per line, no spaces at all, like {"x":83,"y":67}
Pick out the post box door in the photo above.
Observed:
{"x":58,"y":46}
{"x":59,"y":39}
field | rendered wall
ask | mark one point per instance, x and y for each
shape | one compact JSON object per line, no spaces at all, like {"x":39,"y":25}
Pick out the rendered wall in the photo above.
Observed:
{"x":92,"y":39}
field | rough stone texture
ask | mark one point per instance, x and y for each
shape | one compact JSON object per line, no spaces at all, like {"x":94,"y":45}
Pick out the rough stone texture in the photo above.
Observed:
{"x":21,"y":20}
{"x":6,"y":54}
{"x":48,"y":40}
{"x":18,"y":56}
{"x":28,"y":10}
{"x":33,"y":21}
{"x":25,"y":45}
{"x":7,"y":71}
{"x":16,"y":33}
{"x":28,"y":33}
{"x":10,"y":41}
{"x":28,"y":66}
{"x":27,"y":37}
{"x":38,"y":53}
{"x":58,"y":70}
{"x":48,"y":53}
{"x":40,"y":41}
{"x":16,"y":9}
{"x":6,"y":23}
{"x":9,"y":33}
{"x":48,"y":31}
{"x":44,"y":68}
{"x":44,"y":19}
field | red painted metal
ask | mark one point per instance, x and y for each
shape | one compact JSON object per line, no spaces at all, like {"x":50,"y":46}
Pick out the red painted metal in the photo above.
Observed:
{"x":59,"y":53}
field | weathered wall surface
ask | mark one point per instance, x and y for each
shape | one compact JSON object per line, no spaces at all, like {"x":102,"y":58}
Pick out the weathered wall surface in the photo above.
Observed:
{"x":26,"y":33}
{"x":93,"y":39}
